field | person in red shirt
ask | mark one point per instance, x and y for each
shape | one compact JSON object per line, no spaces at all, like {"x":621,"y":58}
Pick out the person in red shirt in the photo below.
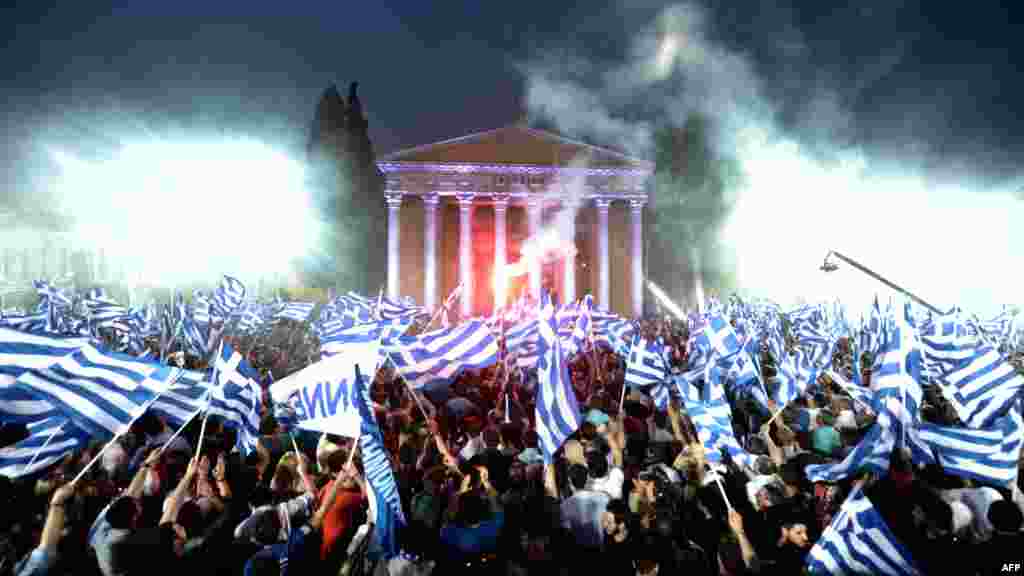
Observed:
{"x":342,"y":518}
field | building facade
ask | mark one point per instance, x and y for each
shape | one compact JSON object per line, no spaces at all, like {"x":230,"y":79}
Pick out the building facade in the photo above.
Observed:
{"x":460,"y":210}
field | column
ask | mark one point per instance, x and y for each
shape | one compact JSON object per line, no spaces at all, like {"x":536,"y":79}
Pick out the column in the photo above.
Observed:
{"x":394,"y":202}
{"x":500,"y":250}
{"x":603,"y":271}
{"x":636,"y":212}
{"x":534,"y":208}
{"x":569,"y":263}
{"x":430,"y":203}
{"x":466,"y":253}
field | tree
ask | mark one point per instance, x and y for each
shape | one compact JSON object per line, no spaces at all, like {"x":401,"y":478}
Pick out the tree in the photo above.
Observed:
{"x":693,"y":197}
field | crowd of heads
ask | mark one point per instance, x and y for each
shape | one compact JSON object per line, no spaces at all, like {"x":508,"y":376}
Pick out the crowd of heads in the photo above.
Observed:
{"x":631,"y":492}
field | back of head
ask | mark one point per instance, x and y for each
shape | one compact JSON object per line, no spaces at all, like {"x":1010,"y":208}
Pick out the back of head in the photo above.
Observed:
{"x":472,"y":509}
{"x":578,"y":476}
{"x":597,"y":464}
{"x":1005,"y":516}
{"x":121,"y":513}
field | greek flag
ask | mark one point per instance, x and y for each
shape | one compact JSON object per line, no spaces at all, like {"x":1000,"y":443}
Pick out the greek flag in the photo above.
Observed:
{"x":388,"y":309}
{"x":557,"y":414}
{"x":896,"y":377}
{"x":389,"y":518}
{"x":577,"y":341}
{"x":976,"y":379}
{"x":227,"y":298}
{"x":988,"y":455}
{"x":858,"y":542}
{"x":49,"y":440}
{"x":21,"y":351}
{"x":437,"y":356}
{"x":712,"y":416}
{"x":336,"y":334}
{"x":297,"y":311}
{"x":236,"y":397}
{"x":100,"y":392}
{"x":646,"y":364}
{"x":183,"y":398}
{"x":201,"y":309}
{"x":614,"y":332}
{"x":871,"y":454}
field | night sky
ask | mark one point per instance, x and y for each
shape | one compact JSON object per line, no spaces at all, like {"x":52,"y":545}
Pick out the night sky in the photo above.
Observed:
{"x":930,"y":78}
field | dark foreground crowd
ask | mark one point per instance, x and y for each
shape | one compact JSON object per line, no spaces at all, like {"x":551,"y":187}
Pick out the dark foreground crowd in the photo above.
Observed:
{"x":630,"y":494}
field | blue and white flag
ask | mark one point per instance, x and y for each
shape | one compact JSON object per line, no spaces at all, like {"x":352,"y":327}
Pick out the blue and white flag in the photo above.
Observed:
{"x":100,"y":392}
{"x":557,"y":413}
{"x":975,"y":378}
{"x":49,"y":440}
{"x":321,"y":395}
{"x":236,"y":397}
{"x":383,"y":491}
{"x":858,"y":542}
{"x":227,"y":298}
{"x":297,"y":311}
{"x":646,"y":364}
{"x":989,"y":455}
{"x":711,"y":415}
{"x":438,"y":356}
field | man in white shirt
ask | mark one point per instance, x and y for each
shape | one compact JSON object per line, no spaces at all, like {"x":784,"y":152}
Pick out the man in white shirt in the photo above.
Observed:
{"x":602,"y":477}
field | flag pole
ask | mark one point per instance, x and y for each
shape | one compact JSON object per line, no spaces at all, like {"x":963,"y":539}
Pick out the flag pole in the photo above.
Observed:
{"x":181,"y":428}
{"x":117,"y":436}
{"x":437,"y":314}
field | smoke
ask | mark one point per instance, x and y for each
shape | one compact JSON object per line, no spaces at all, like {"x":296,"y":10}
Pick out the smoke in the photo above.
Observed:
{"x":789,"y":186}
{"x":169,"y":203}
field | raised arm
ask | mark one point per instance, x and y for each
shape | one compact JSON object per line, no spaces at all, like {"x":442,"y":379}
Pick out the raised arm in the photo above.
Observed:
{"x":139,"y":480}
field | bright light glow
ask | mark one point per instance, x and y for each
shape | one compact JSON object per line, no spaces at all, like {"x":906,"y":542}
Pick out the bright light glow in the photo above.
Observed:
{"x":179,"y":212}
{"x":950,"y":246}
{"x":665,"y":300}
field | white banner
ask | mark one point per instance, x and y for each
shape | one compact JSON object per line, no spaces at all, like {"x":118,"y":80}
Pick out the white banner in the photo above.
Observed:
{"x":321,"y":394}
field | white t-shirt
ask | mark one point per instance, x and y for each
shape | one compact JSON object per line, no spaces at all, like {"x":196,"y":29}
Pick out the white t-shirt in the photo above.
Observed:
{"x":978,"y":501}
{"x":610,"y":484}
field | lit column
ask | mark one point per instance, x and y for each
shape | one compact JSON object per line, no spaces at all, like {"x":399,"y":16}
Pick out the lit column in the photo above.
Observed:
{"x":569,"y":263}
{"x":636,"y":212}
{"x":500,"y":251}
{"x":534,"y":215}
{"x":394,"y":202}
{"x":603,"y":272}
{"x":430,"y":250}
{"x":466,"y":253}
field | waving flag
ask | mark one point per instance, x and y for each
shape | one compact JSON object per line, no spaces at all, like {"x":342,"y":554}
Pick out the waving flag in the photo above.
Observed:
{"x":100,"y":392}
{"x":389,"y":518}
{"x":988,"y":455}
{"x":557,"y":413}
{"x":436,"y":357}
{"x":858,"y":542}
{"x":236,"y":397}
{"x":712,"y":417}
{"x":49,"y":440}
{"x":976,"y":379}
{"x":227,"y":298}
{"x":297,"y":311}
{"x":646,"y":364}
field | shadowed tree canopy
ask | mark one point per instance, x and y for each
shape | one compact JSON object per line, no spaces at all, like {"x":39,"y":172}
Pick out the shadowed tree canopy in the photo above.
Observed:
{"x":349,"y":193}
{"x":694,"y":188}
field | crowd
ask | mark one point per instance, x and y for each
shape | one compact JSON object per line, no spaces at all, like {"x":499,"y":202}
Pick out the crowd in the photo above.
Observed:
{"x":632,"y":492}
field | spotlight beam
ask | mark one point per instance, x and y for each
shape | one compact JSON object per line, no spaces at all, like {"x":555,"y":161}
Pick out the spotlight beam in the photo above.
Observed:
{"x":830,"y":267}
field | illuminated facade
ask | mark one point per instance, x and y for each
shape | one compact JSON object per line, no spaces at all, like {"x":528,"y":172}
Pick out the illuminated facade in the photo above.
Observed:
{"x":458,"y":210}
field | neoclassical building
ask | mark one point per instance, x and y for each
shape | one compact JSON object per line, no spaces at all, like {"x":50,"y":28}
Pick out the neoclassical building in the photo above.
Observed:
{"x":460,"y":209}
